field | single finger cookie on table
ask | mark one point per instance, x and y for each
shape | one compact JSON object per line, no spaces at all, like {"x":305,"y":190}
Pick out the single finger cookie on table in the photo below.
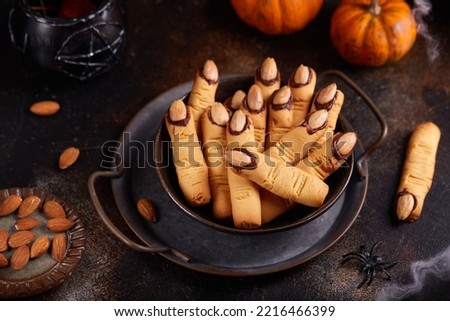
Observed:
{"x":418,"y":171}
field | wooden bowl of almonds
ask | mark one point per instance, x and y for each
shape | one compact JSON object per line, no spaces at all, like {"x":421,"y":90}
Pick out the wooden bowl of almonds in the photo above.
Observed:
{"x":41,"y":241}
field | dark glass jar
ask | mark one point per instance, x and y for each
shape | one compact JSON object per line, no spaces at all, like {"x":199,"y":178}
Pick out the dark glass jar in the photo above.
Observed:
{"x":81,"y":46}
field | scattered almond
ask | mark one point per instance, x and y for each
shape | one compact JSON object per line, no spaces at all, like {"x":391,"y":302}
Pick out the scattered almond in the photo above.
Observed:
{"x":59,"y":224}
{"x":53,"y":209}
{"x":28,"y":206}
{"x":20,"y":238}
{"x":146,"y":209}
{"x":45,"y":108}
{"x":3,"y":240}
{"x":20,"y":257}
{"x":40,"y":246}
{"x":10,"y":204}
{"x":3,"y":261}
{"x":59,"y":246}
{"x":68,"y":157}
{"x":26,"y":223}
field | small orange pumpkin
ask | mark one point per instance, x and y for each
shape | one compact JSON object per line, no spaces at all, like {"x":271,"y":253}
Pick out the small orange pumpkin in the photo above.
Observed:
{"x":373,"y":32}
{"x":275,"y":17}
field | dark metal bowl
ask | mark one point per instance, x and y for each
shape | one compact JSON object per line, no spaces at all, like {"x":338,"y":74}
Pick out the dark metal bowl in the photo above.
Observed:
{"x":191,"y":241}
{"x":296,"y":216}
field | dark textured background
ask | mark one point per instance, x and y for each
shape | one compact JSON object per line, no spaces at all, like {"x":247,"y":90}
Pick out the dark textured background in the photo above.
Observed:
{"x":166,"y":43}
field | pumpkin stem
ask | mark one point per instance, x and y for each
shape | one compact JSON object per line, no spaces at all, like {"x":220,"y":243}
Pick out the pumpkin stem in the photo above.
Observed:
{"x":375,"y":8}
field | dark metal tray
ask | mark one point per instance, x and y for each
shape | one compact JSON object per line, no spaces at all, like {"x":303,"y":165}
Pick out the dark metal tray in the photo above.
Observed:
{"x":189,"y":243}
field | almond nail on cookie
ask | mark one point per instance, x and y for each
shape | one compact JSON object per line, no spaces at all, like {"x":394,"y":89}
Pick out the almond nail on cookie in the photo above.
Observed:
{"x":267,"y":77}
{"x":254,"y":106}
{"x":190,"y":165}
{"x":233,"y":102}
{"x":329,"y":98}
{"x":280,"y":115}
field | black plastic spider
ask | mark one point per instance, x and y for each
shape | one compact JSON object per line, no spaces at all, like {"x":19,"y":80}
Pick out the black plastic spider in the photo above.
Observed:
{"x":369,"y":263}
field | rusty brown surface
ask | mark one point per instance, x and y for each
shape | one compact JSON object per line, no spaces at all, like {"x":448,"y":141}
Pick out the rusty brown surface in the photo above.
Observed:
{"x":166,"y":43}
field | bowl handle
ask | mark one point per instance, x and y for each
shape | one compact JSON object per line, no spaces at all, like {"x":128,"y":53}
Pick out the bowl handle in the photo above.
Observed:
{"x":363,"y":158}
{"x":122,"y":237}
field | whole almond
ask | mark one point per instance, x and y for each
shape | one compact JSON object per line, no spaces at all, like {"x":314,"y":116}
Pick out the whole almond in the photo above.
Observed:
{"x":20,"y":238}
{"x":326,"y":94}
{"x":10,"y":204}
{"x":146,"y":209}
{"x":45,"y":108}
{"x":26,"y":223}
{"x":210,"y":71}
{"x":53,"y":209}
{"x":318,"y":118}
{"x":269,"y":70}
{"x":238,"y":158}
{"x":3,"y":261}
{"x":219,"y":114}
{"x":59,"y":246}
{"x":238,"y":121}
{"x":255,"y":100}
{"x":301,"y":75}
{"x":28,"y":206}
{"x":345,"y":143}
{"x":237,"y":99}
{"x":40,"y":246}
{"x":20,"y":257}
{"x":405,"y":205}
{"x":177,"y":110}
{"x":282,"y":96}
{"x":68,"y":157}
{"x":59,"y":224}
{"x":3,"y":240}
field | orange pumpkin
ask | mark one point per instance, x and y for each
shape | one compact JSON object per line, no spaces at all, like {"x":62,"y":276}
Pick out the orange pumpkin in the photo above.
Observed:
{"x":373,"y":32}
{"x":275,"y":17}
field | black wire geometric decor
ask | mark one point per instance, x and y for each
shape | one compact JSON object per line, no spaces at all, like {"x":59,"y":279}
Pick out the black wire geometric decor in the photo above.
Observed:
{"x":81,"y":47}
{"x":91,"y":51}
